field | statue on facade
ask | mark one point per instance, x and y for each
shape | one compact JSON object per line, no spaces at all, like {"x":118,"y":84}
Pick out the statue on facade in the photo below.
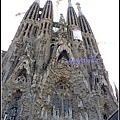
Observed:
{"x":29,"y":50}
{"x":80,"y":116}
{"x":93,"y":81}
{"x":86,"y":115}
{"x":18,"y":47}
{"x":62,"y":23}
{"x":82,"y":50}
{"x":62,"y":20}
{"x":80,"y":103}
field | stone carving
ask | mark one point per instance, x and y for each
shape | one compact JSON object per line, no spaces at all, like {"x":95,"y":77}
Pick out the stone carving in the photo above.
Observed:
{"x":86,"y":84}
{"x":103,"y":81}
{"x":62,"y":23}
{"x":70,"y":112}
{"x":94,"y":76}
{"x":106,"y":76}
{"x":35,"y":77}
{"x":20,"y":117}
{"x":25,"y":64}
{"x":48,"y":99}
{"x":46,"y":114}
{"x":80,"y":103}
{"x":22,"y":57}
{"x":18,"y":47}
{"x":29,"y":50}
{"x":54,"y":114}
{"x":3,"y":53}
{"x":21,"y":79}
{"x":13,"y":113}
{"x":6,"y":114}
{"x":42,"y":111}
{"x":32,"y":65}
{"x":63,"y":61}
{"x":86,"y":115}
{"x":4,"y":61}
{"x":34,"y":85}
{"x":80,"y":116}
{"x":62,"y":20}
{"x":12,"y":59}
{"x":81,"y":50}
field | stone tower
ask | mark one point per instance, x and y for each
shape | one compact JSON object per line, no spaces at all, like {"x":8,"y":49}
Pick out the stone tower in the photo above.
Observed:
{"x":52,"y":74}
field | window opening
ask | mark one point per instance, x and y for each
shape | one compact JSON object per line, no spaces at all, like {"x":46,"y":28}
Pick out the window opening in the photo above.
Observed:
{"x":84,"y":25}
{"x":63,"y":54}
{"x":47,"y":12}
{"x":88,"y":41}
{"x":31,"y":12}
{"x":45,"y":25}
{"x":105,"y":117}
{"x":61,"y":103}
{"x":80,"y":24}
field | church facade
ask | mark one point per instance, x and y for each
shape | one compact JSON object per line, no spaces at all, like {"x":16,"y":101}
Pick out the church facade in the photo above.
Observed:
{"x":38,"y":80}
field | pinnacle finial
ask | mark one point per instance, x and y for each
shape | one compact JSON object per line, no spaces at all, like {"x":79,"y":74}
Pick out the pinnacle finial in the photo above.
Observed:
{"x":38,"y":1}
{"x":79,"y":9}
{"x":78,"y":5}
{"x":69,"y":3}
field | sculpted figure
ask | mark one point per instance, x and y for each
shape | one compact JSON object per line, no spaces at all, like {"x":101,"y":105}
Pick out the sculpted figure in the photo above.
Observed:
{"x":80,"y":103}
{"x":86,"y":115}
{"x":29,"y":50}
{"x":80,"y":117}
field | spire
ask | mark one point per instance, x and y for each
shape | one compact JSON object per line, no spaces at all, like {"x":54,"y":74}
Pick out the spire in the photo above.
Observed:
{"x":116,"y":91}
{"x":38,"y":1}
{"x":69,"y":3}
{"x":47,"y":11}
{"x":79,"y":9}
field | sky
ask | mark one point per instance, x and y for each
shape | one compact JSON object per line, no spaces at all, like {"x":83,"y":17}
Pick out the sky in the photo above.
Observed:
{"x":102,"y":15}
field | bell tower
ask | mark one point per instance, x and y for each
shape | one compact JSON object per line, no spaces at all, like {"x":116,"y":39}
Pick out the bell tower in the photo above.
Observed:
{"x":44,"y":36}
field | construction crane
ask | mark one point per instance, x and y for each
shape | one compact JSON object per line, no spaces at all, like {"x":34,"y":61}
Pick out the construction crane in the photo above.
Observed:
{"x":105,"y":43}
{"x":20,"y":13}
{"x":57,"y":4}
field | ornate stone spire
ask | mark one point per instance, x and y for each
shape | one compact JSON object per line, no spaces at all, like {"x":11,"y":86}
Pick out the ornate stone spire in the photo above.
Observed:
{"x":38,"y":1}
{"x":69,"y":3}
{"x":79,"y":9}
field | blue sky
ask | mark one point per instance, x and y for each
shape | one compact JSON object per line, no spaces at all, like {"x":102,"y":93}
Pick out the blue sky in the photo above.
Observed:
{"x":102,"y":16}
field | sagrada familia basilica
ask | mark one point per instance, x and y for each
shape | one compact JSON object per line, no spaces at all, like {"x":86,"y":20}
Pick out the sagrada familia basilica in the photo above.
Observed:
{"x":38,"y":81}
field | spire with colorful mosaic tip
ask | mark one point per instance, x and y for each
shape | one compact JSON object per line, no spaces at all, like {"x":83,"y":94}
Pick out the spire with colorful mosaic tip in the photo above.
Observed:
{"x":38,"y":1}
{"x":79,"y":9}
{"x":69,"y":3}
